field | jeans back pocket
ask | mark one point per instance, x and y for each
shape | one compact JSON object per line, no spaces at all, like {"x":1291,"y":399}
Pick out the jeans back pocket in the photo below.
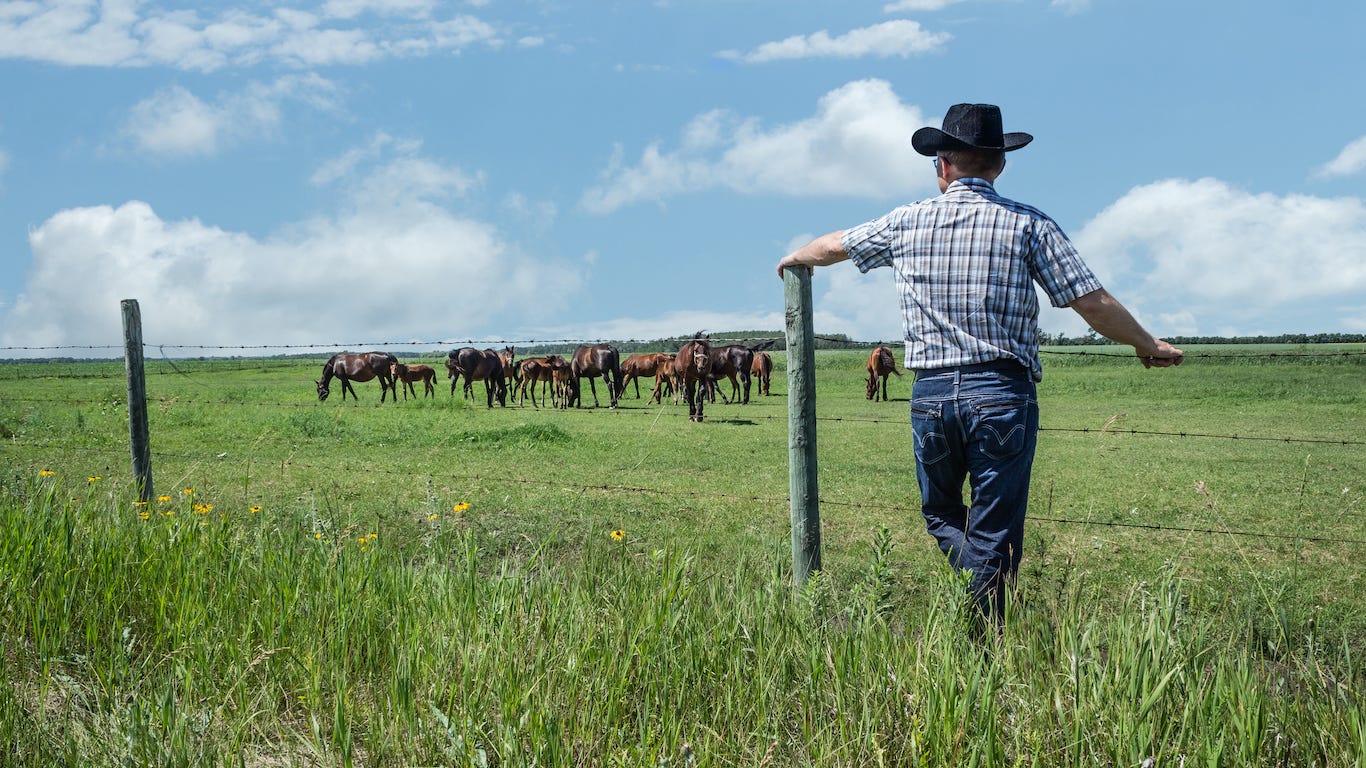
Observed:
{"x":931,"y":438}
{"x":1002,"y":426}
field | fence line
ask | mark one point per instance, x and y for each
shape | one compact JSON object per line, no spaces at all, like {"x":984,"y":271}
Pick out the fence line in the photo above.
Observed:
{"x":722,"y":495}
{"x":748,"y":340}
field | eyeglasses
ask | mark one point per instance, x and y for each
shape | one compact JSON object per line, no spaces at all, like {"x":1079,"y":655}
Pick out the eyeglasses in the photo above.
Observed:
{"x":936,"y":163}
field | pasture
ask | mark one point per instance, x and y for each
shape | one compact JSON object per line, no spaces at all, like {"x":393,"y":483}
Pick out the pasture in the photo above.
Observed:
{"x":434,"y":582}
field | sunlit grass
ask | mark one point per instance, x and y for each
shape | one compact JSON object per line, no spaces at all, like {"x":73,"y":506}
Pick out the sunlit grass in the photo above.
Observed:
{"x":270,"y":637}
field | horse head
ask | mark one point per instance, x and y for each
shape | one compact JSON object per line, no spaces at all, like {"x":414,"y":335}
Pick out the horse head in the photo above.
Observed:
{"x":322,"y":391}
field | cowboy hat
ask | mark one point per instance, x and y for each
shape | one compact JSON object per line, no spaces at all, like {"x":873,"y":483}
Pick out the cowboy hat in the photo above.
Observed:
{"x":968,"y":126}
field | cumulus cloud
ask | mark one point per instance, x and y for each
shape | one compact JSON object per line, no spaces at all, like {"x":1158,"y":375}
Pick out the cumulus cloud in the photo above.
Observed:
{"x":1206,"y":255}
{"x":128,"y":33}
{"x":395,"y":262}
{"x":900,"y":38}
{"x":918,"y":5}
{"x":175,"y":122}
{"x":1349,"y":162}
{"x":857,"y":144}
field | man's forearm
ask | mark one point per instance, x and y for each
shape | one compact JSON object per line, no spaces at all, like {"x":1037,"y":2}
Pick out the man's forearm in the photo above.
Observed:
{"x":1112,"y":320}
{"x":823,"y":251}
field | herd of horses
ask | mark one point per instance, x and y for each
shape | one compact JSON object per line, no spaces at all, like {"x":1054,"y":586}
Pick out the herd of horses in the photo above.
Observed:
{"x":693,"y":373}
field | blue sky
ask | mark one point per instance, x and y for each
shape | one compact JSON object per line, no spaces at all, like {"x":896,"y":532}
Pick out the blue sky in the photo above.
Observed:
{"x":378,"y":171}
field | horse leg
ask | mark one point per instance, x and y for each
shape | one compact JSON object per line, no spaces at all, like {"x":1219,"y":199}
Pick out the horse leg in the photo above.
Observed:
{"x":592,"y":386}
{"x":346,"y":386}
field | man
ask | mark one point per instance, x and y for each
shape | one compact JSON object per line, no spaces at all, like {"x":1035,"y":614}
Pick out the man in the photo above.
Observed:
{"x":966,"y":263}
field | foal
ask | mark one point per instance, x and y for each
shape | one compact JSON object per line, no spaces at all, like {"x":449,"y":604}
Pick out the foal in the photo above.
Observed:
{"x":407,"y":374}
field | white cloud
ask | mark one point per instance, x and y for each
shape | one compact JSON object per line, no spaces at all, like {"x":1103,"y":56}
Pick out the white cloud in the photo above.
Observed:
{"x":393,"y":264}
{"x":1071,"y":6}
{"x":349,"y":9}
{"x":900,"y":38}
{"x":1349,"y":162}
{"x":857,"y":144}
{"x":1205,"y":253}
{"x":130,"y":33}
{"x":175,"y":122}
{"x":918,"y":5}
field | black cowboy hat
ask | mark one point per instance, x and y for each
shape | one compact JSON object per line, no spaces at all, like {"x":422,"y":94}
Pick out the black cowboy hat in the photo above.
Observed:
{"x":968,"y":126}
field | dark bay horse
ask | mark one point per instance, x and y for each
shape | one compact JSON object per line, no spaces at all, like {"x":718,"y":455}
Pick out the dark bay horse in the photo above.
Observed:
{"x":593,"y":361}
{"x":732,"y":361}
{"x":692,"y":368}
{"x":361,"y":366}
{"x":880,"y":364}
{"x":405,"y":375}
{"x":478,"y":365}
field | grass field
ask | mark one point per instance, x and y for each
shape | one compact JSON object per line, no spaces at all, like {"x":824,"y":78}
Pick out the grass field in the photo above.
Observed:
{"x":436,"y":583}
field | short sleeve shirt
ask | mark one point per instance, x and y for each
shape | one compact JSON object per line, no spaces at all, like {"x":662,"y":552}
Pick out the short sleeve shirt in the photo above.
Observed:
{"x":966,"y":263}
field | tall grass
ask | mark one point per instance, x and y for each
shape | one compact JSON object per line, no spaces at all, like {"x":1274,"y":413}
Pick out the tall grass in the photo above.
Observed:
{"x":171,"y":634}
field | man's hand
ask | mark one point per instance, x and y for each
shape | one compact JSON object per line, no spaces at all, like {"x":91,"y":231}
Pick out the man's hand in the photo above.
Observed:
{"x":1163,"y":356}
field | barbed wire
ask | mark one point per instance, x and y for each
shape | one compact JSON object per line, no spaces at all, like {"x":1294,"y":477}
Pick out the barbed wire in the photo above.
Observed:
{"x":751,"y":498}
{"x":493,"y":342}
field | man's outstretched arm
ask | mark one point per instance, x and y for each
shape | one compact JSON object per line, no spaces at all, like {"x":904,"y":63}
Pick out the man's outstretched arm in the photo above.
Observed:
{"x":1110,"y":319}
{"x":823,"y":251}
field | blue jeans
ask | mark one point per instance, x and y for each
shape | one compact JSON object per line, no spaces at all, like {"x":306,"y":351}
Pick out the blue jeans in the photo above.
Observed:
{"x":979,"y":424}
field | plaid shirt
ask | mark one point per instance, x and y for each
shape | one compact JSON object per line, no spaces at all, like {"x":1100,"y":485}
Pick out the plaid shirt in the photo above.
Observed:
{"x":964,"y":266}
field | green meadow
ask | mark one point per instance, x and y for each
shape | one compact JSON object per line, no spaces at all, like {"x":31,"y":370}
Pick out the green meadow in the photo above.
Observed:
{"x":431,"y":582}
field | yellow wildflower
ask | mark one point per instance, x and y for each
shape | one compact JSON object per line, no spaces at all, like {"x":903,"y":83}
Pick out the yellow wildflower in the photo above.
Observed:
{"x":255,"y":508}
{"x":164,"y":498}
{"x":188,"y":491}
{"x":94,"y":479}
{"x":433,"y":516}
{"x":462,"y":506}
{"x":145,"y":515}
{"x":46,"y":473}
{"x":318,"y":535}
{"x":618,"y":535}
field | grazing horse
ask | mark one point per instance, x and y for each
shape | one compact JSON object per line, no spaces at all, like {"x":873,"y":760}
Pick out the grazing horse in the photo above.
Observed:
{"x":405,"y":375}
{"x":635,"y":367}
{"x":880,"y":364}
{"x":478,"y":365}
{"x":692,"y":368}
{"x":362,"y":366}
{"x":593,"y":361}
{"x":762,"y":371}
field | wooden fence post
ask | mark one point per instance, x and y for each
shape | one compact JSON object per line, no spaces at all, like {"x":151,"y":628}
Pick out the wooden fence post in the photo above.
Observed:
{"x":137,"y":398}
{"x":801,"y":425}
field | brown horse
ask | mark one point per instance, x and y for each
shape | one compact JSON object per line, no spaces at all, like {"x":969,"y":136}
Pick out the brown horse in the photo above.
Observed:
{"x":636,"y":367}
{"x":478,"y":365}
{"x":762,"y":371}
{"x":593,"y":361}
{"x":510,"y":373}
{"x":405,"y":375}
{"x":692,"y":368}
{"x":880,"y":364}
{"x":362,"y":366}
{"x":542,"y":370}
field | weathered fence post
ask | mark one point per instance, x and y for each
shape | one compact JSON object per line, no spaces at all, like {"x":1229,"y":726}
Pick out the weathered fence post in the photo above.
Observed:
{"x":137,"y":398}
{"x":801,"y":425}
